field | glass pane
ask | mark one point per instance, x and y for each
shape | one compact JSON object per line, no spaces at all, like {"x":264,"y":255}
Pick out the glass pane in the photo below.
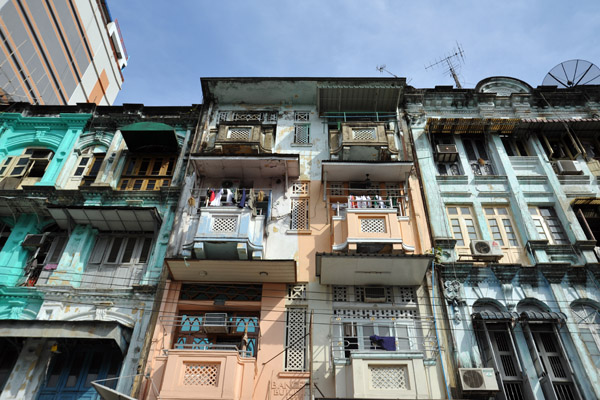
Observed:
{"x":471,"y":229}
{"x":57,"y":368}
{"x":156,"y":166}
{"x":465,"y":211}
{"x":452,"y":211}
{"x":75,"y":370}
{"x":145,"y":250}
{"x":137,"y":184}
{"x":124,"y":184}
{"x":114,"y":250}
{"x":144,"y":167}
{"x":128,"y":250}
{"x":533,"y":211}
{"x":151,"y":184}
{"x":502,"y":211}
{"x":510,"y":234}
{"x":171,"y":166}
{"x":130,"y":166}
{"x":97,"y":163}
{"x":489,"y":211}
{"x":94,"y":369}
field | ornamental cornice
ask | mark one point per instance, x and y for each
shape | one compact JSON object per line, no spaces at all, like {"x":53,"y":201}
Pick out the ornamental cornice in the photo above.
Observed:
{"x":577,"y":275}
{"x":61,"y":121}
{"x":108,"y":297}
{"x":505,"y":273}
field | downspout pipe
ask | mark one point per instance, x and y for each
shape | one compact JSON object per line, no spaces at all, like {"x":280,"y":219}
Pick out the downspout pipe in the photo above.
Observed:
{"x":437,"y":336}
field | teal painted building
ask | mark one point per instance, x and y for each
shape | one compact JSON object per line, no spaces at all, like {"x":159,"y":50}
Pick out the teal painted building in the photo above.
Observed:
{"x":87,"y":201}
{"x":510,"y":177}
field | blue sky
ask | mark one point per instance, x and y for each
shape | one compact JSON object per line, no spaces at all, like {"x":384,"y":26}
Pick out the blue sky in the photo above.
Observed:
{"x":171,"y":44}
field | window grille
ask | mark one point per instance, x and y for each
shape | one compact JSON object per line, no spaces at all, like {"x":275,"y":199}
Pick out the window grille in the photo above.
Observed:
{"x":239,"y":133}
{"x":301,"y":116}
{"x":340,"y":293}
{"x":299,"y":219}
{"x":300,"y":189}
{"x":224,"y":224}
{"x":366,"y":134}
{"x":223,"y":116}
{"x":302,"y":134}
{"x":359,"y":294}
{"x":336,"y":189}
{"x":388,"y":377}
{"x":201,"y":374}
{"x":248,"y":116}
{"x":372,"y":225}
{"x":375,"y":313}
{"x":296,"y":329}
{"x":407,"y":295}
{"x":296,"y":292}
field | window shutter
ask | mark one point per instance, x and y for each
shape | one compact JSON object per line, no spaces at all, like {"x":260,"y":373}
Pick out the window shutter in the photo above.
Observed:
{"x":99,"y":250}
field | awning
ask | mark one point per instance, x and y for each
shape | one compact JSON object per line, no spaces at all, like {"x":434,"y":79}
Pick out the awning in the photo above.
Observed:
{"x":372,"y":269}
{"x":150,"y":136}
{"x":543,"y":316}
{"x":279,"y":271}
{"x":107,"y":393}
{"x":458,"y":126}
{"x":247,"y":167}
{"x":132,"y":219}
{"x":67,"y":330}
{"x":495,"y":315}
{"x":357,"y":171}
{"x":360,"y":96}
{"x":581,"y":201}
{"x":556,"y":126}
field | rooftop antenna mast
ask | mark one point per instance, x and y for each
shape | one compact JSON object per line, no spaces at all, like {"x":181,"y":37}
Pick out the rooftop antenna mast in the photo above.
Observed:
{"x":381,"y":68}
{"x":453,"y":62}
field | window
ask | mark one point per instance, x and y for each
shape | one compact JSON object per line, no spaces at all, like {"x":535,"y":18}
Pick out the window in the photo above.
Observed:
{"x":302,"y":134}
{"x":92,"y":168}
{"x":300,"y":207}
{"x":515,"y":147}
{"x":301,"y":116}
{"x":147,"y":172}
{"x":239,"y":133}
{"x":462,"y":225}
{"x":589,"y":218}
{"x":548,"y":225}
{"x":295,"y":339}
{"x":501,"y":226}
{"x":117,"y":261}
{"x":446,"y":155}
{"x":478,"y":156}
{"x":562,"y":147}
{"x":587,"y":318}
{"x":32,"y":163}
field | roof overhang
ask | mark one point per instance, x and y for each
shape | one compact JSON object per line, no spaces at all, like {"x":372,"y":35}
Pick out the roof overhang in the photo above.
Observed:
{"x":360,"y":96}
{"x":247,"y":167}
{"x":357,"y":171}
{"x":14,"y":206}
{"x":558,"y":126}
{"x":260,"y":271}
{"x":131,"y":219}
{"x":372,"y":269}
{"x":67,"y":330}
{"x":149,"y":136}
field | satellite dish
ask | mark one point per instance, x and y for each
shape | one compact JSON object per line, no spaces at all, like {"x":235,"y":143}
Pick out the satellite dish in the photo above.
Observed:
{"x":573,"y":73}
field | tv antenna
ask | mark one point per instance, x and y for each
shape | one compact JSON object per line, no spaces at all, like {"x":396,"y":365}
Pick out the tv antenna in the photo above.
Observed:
{"x":453,"y":62}
{"x":383,"y":68}
{"x":573,"y":73}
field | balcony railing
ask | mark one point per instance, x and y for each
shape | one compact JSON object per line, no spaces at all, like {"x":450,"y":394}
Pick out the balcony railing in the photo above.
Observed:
{"x":398,"y":203}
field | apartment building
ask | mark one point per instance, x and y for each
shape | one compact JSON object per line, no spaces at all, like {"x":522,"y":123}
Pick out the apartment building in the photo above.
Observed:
{"x":60,"y":52}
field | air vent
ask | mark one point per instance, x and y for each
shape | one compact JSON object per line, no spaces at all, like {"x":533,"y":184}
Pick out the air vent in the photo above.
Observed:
{"x":375,"y":294}
{"x":32,"y":242}
{"x":486,"y":250}
{"x":215,"y":323}
{"x":478,"y":380}
{"x":568,"y":167}
{"x":446,"y":153}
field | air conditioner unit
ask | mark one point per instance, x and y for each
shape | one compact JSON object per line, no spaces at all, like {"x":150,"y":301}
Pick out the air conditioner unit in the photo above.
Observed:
{"x":446,"y":152}
{"x":568,"y":167}
{"x":486,"y":249}
{"x":32,"y":242}
{"x":478,"y":380}
{"x":375,"y":294}
{"x":215,"y":323}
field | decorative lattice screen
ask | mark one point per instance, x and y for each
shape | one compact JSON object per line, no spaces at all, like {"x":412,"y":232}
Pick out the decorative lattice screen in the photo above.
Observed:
{"x":363,"y":134}
{"x":299,"y":219}
{"x":223,"y":115}
{"x":302,"y":134}
{"x":295,"y":358}
{"x":340,"y":293}
{"x":301,"y":116}
{"x":239,"y":133}
{"x":201,"y":374}
{"x":375,"y":313}
{"x":336,"y":189}
{"x":224,"y":224}
{"x":247,"y":116}
{"x":300,"y":189}
{"x":388,"y":377}
{"x":297,"y":292}
{"x":372,"y":225}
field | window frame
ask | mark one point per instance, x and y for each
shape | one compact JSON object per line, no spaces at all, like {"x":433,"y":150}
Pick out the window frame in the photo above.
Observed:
{"x":466,"y":235}
{"x":480,"y":160}
{"x":136,"y":177}
{"x":500,"y":219}
{"x":544,"y":229}
{"x":308,"y":138}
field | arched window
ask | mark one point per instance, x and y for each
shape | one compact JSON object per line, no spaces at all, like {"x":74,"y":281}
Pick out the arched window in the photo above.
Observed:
{"x":87,"y":167}
{"x":587,"y":317}
{"x":26,"y":169}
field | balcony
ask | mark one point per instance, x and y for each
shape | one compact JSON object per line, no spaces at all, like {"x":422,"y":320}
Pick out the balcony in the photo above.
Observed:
{"x":212,"y":356}
{"x":244,"y":137}
{"x":375,"y":226}
{"x":363,"y":141}
{"x":231,"y":228}
{"x":527,"y":166}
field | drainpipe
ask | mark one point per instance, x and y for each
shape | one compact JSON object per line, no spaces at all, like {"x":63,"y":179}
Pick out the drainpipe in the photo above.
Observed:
{"x":437,"y":336}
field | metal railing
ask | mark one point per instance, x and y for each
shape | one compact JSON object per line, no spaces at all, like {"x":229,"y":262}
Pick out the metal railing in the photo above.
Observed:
{"x":399,"y":203}
{"x":212,"y":347}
